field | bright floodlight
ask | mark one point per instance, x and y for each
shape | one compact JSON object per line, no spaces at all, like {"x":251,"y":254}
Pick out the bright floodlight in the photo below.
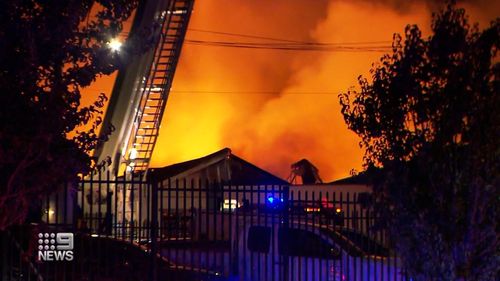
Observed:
{"x":115,"y":44}
{"x":133,"y":154}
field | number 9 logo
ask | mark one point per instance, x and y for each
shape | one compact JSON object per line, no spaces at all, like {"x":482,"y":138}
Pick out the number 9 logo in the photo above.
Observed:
{"x":64,"y":241}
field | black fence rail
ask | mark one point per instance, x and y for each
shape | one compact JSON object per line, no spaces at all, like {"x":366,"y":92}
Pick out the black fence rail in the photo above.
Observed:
{"x":131,"y":228}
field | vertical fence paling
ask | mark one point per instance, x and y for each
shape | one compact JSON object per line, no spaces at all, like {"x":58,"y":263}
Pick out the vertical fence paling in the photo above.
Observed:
{"x":154,"y":231}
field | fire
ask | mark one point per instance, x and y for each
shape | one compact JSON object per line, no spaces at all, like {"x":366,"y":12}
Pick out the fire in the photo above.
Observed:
{"x":276,"y":107}
{"x":302,"y":119}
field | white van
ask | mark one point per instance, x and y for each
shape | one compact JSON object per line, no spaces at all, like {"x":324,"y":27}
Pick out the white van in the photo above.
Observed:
{"x":267,"y":249}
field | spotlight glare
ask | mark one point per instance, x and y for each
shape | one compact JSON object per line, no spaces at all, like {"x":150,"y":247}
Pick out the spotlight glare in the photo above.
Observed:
{"x":115,"y":45}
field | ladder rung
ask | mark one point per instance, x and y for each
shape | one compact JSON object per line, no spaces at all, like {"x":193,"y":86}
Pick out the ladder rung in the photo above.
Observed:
{"x":155,"y":101}
{"x":170,"y":25}
{"x":165,"y":63}
{"x":147,"y":115}
{"x":173,"y":37}
{"x":162,"y":70}
{"x":149,"y":132}
{"x":172,"y":34}
{"x":150,"y":121}
{"x":147,"y":127}
{"x":140,"y":159}
{"x":163,"y":67}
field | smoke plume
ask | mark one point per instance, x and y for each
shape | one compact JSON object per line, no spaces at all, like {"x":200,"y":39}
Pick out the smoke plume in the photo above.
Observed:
{"x":275,"y":107}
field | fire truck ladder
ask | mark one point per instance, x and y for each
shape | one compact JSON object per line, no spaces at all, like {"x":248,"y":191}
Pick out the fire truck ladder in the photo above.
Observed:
{"x":156,"y":85}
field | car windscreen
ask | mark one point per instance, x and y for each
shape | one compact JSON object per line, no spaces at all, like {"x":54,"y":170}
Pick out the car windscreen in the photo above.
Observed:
{"x":303,"y":243}
{"x":367,"y":244}
{"x":356,"y":243}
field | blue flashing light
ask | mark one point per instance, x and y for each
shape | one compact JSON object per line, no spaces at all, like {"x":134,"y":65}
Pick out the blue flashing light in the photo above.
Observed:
{"x":270,"y":199}
{"x":281,"y":199}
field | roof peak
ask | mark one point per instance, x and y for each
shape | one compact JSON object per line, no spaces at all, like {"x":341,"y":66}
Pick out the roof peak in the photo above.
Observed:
{"x":187,"y":167}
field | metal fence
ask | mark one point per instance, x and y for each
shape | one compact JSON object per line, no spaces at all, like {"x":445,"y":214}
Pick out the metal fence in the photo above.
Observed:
{"x":129,"y":228}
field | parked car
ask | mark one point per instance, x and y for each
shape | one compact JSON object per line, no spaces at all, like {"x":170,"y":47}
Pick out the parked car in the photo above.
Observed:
{"x":265,"y":249}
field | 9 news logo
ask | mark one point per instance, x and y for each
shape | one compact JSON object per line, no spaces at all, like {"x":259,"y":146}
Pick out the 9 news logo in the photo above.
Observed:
{"x":55,"y":246}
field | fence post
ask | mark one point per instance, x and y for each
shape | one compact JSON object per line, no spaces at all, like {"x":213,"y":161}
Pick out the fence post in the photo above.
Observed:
{"x":153,"y":274}
{"x":285,"y":259}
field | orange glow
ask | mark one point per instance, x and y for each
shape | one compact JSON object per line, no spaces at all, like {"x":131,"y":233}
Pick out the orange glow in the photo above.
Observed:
{"x":274,"y":130}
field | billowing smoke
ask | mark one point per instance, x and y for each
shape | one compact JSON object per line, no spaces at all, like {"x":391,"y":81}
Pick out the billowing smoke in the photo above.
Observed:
{"x":406,"y":6}
{"x":276,"y":107}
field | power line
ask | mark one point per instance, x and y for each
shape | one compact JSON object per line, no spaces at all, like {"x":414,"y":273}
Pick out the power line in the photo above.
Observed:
{"x":238,"y":35}
{"x":292,"y":47}
{"x":288,"y":45}
{"x":244,"y":35}
{"x":286,"y":40}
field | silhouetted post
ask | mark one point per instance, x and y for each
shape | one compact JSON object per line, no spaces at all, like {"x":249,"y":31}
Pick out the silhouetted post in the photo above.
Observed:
{"x":153,"y":274}
{"x":286,"y":224}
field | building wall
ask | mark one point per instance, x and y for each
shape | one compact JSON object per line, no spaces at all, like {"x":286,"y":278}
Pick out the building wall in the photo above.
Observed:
{"x":344,"y":196}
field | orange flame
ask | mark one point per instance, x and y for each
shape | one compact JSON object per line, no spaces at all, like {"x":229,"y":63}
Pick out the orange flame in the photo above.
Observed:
{"x":217,"y":98}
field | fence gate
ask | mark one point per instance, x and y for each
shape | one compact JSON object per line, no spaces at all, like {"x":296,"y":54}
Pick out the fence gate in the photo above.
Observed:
{"x":205,"y":226}
{"x":131,"y":228}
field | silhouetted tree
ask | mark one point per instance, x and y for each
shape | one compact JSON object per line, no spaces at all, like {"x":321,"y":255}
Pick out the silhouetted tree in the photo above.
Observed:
{"x":49,"y":51}
{"x":430,"y":117}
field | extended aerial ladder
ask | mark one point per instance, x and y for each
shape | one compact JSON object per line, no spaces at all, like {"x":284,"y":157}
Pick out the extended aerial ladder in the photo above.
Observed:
{"x":141,"y":91}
